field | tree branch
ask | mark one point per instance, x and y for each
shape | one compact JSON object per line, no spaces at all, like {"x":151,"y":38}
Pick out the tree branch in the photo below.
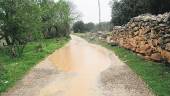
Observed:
{"x":1,"y":36}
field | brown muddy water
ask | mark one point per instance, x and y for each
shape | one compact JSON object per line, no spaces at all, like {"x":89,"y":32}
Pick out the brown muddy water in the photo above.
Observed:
{"x":85,"y":61}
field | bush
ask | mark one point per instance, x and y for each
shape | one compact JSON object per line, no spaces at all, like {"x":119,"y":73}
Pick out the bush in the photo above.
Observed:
{"x":24,"y":21}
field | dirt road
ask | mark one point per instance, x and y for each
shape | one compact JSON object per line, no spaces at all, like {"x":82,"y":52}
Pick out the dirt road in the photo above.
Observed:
{"x":80,"y":69}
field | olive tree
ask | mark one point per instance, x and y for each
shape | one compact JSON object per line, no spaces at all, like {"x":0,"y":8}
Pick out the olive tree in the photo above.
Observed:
{"x":56,"y":18}
{"x":19,"y":19}
{"x":25,"y":20}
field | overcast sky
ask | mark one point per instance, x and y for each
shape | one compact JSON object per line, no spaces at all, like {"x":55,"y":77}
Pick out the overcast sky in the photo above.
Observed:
{"x":89,"y":10}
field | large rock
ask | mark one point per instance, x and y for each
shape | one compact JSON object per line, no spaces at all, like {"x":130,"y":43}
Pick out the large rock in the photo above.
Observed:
{"x":156,"y":56}
{"x":166,"y":55}
{"x":167,"y":46}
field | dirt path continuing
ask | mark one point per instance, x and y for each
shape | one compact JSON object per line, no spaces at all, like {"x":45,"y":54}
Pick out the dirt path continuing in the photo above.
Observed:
{"x":80,"y":69}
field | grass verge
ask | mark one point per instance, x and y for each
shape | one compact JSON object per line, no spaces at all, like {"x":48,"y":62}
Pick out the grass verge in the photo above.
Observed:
{"x":12,"y":70}
{"x":156,"y":75}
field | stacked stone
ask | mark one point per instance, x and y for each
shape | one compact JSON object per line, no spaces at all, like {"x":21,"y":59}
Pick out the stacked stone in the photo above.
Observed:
{"x":148,"y":35}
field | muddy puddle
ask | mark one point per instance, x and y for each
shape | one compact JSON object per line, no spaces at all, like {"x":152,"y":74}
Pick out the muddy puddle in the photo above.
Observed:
{"x":80,"y":64}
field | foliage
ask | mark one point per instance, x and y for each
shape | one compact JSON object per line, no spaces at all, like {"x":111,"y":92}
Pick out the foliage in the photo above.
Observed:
{"x":2,"y":72}
{"x":14,"y":69}
{"x":103,"y":26}
{"x":17,"y":19}
{"x":56,"y":18}
{"x":79,"y":26}
{"x":64,"y":18}
{"x":89,"y":27}
{"x":159,"y":6}
{"x":25,"y":20}
{"x":123,"y":10}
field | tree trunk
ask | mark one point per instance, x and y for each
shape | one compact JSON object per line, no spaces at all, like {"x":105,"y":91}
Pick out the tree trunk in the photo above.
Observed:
{"x":7,"y":40}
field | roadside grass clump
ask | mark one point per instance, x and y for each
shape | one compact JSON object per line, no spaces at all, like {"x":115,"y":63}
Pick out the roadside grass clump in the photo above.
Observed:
{"x":13,"y":69}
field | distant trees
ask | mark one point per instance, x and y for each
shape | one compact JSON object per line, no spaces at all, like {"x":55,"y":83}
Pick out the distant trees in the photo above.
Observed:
{"x":123,"y":10}
{"x":80,"y":26}
{"x":25,"y":20}
{"x":89,"y":27}
{"x":103,"y":26}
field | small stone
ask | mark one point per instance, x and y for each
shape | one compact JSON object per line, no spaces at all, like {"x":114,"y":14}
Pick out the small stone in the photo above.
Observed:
{"x":156,"y":56}
{"x":167,"y":46}
{"x":159,"y":19}
{"x":166,"y":55}
{"x":167,"y":40}
{"x":167,"y":18}
{"x":162,"y":25}
{"x":147,"y":57}
{"x":133,"y":25}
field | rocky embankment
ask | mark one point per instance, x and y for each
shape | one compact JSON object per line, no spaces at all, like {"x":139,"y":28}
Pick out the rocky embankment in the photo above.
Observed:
{"x":148,"y":35}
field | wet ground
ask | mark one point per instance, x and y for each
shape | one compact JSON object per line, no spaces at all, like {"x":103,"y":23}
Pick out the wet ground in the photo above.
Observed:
{"x":80,"y":69}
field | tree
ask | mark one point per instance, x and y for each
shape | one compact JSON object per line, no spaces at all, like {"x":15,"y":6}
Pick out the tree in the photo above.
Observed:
{"x":63,"y":18}
{"x":103,"y":26}
{"x":79,"y":26}
{"x":89,"y":27}
{"x":56,"y":17}
{"x":18,"y":20}
{"x":47,"y":10}
{"x":123,"y":10}
{"x":159,"y":6}
{"x":25,"y":20}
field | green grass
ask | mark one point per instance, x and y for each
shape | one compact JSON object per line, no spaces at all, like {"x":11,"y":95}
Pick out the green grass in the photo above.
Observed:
{"x":156,"y":75}
{"x":13,"y":69}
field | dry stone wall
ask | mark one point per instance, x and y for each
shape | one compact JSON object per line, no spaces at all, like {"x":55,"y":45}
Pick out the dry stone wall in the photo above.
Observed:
{"x":148,"y":35}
